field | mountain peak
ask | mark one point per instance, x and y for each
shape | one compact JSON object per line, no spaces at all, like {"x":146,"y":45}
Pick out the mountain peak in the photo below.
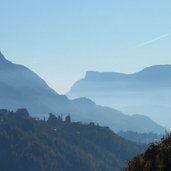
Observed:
{"x":3,"y":60}
{"x":2,"y":56}
{"x":156,"y":71}
{"x":160,"y":68}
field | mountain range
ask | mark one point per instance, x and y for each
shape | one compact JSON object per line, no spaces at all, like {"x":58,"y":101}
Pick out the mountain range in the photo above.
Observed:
{"x":22,"y":88}
{"x":147,"y":92}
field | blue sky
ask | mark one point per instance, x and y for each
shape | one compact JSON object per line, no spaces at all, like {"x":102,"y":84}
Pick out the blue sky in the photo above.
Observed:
{"x":61,"y":40}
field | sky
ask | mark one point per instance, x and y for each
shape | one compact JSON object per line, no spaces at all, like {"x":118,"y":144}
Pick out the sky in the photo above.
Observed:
{"x":62,"y":39}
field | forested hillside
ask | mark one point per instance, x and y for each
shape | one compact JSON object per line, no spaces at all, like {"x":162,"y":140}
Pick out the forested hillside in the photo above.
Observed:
{"x":30,"y":144}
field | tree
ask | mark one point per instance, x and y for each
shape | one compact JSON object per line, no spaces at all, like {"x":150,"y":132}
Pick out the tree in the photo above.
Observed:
{"x":68,"y":119}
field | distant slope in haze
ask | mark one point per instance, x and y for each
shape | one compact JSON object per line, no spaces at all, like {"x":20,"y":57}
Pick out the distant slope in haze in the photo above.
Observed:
{"x":147,"y":92}
{"x":115,"y":119}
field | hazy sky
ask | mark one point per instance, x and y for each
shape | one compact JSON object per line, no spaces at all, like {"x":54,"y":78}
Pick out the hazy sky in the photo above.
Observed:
{"x":62,"y":39}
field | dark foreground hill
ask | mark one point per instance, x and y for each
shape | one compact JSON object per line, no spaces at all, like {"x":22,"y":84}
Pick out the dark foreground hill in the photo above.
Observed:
{"x":156,"y":158}
{"x":22,"y":88}
{"x":29,"y":144}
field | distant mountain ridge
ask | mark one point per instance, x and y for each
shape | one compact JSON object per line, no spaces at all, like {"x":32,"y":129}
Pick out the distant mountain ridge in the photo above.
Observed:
{"x":153,"y":70}
{"x":150,"y":75}
{"x":146,"y":92}
{"x":22,"y":88}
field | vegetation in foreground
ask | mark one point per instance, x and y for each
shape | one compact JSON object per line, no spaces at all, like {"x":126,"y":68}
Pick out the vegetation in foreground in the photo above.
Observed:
{"x":156,"y":158}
